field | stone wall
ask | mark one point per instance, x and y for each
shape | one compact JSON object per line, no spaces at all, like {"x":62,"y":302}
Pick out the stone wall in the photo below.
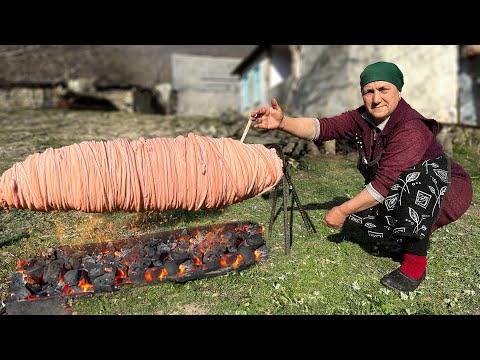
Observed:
{"x":128,"y":100}
{"x":26,"y":98}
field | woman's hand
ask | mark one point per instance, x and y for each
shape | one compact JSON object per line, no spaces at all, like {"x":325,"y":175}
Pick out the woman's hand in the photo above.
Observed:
{"x":268,"y":117}
{"x":335,"y":218}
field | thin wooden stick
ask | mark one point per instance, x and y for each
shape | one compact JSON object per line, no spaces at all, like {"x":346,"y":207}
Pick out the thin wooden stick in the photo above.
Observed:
{"x":246,"y":130}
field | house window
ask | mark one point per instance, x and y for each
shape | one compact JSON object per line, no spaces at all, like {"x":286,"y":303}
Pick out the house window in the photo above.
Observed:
{"x":256,"y":85}
{"x":245,"y":101}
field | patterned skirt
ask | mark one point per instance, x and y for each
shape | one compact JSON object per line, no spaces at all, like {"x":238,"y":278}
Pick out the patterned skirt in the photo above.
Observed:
{"x":411,"y":207}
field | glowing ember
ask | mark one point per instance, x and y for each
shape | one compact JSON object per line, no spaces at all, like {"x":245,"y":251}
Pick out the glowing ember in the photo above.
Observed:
{"x":178,"y":256}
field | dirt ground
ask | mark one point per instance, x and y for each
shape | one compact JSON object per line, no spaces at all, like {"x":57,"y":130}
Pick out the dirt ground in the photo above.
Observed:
{"x":26,"y":132}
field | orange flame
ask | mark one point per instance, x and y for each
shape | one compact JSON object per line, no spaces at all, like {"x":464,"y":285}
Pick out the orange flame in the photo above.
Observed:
{"x":21,"y":263}
{"x":120,"y":276}
{"x":86,"y":287}
{"x":181,"y":270}
{"x":148,"y":276}
{"x":237,"y":262}
{"x":197,"y":260}
{"x":66,"y":289}
{"x":163,"y":274}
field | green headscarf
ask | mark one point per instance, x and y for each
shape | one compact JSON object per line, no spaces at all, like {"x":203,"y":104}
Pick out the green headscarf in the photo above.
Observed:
{"x":382,"y":71}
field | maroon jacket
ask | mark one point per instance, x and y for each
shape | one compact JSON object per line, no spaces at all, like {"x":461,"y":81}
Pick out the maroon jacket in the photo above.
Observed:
{"x":407,"y":139}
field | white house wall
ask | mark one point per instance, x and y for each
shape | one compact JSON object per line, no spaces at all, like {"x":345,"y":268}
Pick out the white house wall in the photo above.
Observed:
{"x":273,"y":71}
{"x":329,"y":83}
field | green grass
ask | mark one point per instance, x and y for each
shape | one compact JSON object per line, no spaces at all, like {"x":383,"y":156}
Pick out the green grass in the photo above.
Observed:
{"x":326,"y":273}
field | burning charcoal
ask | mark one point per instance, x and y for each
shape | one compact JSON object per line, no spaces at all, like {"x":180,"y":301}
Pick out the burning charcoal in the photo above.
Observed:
{"x":122,"y":252}
{"x":228,"y":237}
{"x":60,"y":288}
{"x":71,"y":277}
{"x":183,"y":245}
{"x":230,"y":259}
{"x":136,"y":273}
{"x":50,"y":289}
{"x":89,"y":263}
{"x":212,"y":262}
{"x":120,"y":265}
{"x":38,"y":261}
{"x":162,"y":254}
{"x":53,"y":271}
{"x":144,"y":262}
{"x":150,"y":252}
{"x":73,"y":262}
{"x":34,"y":288}
{"x":196,"y":255}
{"x":163,"y":247}
{"x":60,"y":254}
{"x":204,"y":244}
{"x":108,"y":257}
{"x":152,"y":243}
{"x":211,"y":255}
{"x":110,"y":248}
{"x":178,"y":255}
{"x":21,"y":294}
{"x":130,"y":258}
{"x":49,"y":254}
{"x":232,"y":248}
{"x":248,"y":257}
{"x":255,"y":241}
{"x":194,"y":242}
{"x":109,"y":267}
{"x":220,"y":248}
{"x":186,"y":266}
{"x":253,"y":228}
{"x":75,"y":290}
{"x":100,"y":269}
{"x":262,"y":252}
{"x":18,"y":281}
{"x":97,"y":254}
{"x":121,"y":275}
{"x":157,"y":263}
{"x":104,"y":283}
{"x":155,"y":274}
{"x":35,"y":272}
{"x":171,"y":267}
{"x":185,"y":234}
{"x":138,"y":249}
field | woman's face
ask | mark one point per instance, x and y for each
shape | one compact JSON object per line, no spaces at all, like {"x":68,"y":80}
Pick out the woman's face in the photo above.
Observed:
{"x":381,"y":99}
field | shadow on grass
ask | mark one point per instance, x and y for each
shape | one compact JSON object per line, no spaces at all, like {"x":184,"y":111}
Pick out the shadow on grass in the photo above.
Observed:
{"x":13,"y":239}
{"x":352,"y":233}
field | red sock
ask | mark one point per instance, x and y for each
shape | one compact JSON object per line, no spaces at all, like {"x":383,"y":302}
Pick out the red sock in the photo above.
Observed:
{"x":413,"y":265}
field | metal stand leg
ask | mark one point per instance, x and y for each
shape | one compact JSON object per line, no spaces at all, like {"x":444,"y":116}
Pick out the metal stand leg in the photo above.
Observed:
{"x":287,"y":187}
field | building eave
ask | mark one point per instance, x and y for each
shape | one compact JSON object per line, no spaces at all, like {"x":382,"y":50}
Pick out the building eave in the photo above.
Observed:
{"x":250,"y":58}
